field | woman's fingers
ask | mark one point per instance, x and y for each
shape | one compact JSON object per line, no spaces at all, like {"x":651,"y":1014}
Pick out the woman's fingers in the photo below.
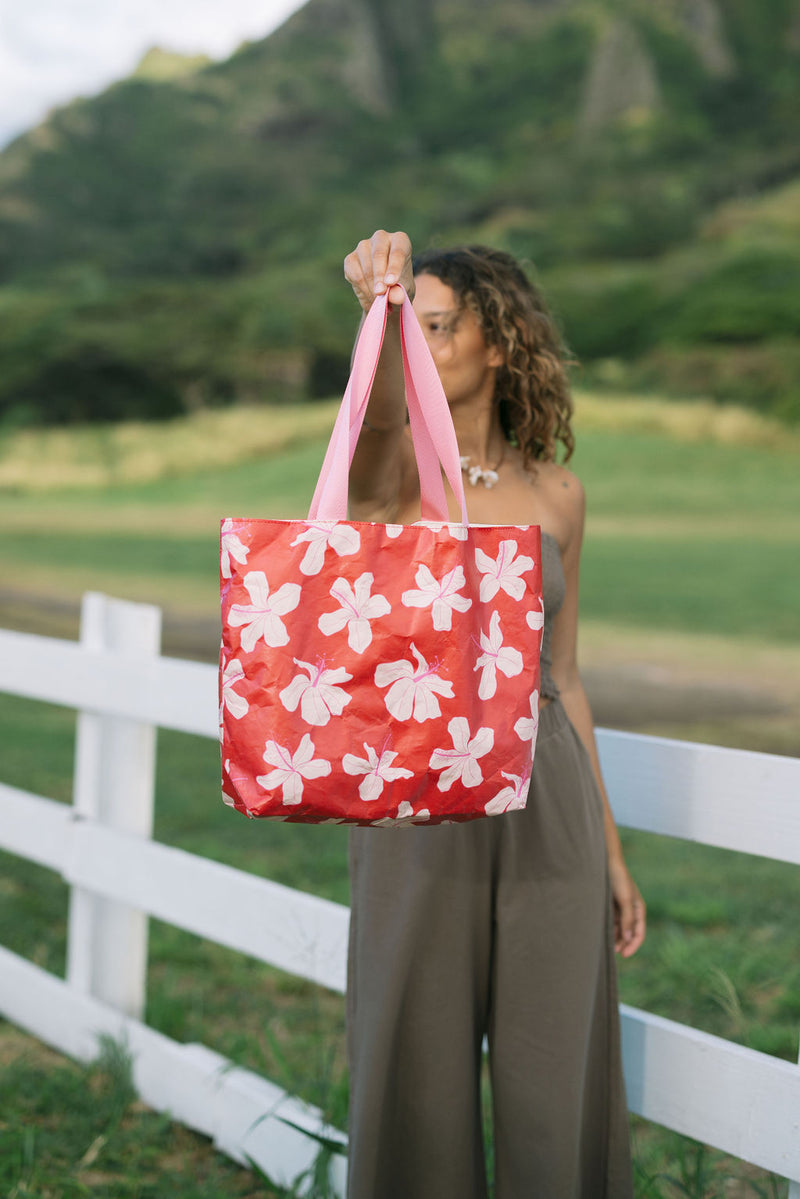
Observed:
{"x":632,"y":925}
{"x":629,"y":912}
{"x":380,"y":246}
{"x":639,"y":926}
{"x":398,"y":268}
{"x":378,"y":264}
{"x":358,"y":273}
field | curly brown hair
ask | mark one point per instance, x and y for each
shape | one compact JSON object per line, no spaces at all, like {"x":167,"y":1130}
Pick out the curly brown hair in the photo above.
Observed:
{"x":532,"y":389}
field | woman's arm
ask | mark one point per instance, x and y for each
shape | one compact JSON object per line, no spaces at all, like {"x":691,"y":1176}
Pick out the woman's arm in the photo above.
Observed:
{"x":375,"y":267}
{"x":629,"y":907}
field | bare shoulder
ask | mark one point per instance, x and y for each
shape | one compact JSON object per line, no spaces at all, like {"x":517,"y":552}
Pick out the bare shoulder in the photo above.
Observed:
{"x":564,"y":494}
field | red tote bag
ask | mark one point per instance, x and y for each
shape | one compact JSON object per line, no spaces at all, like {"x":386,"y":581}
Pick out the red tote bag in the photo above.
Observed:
{"x":380,"y":674}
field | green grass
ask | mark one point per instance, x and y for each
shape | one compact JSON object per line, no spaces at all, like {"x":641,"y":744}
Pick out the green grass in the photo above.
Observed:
{"x":722,"y":949}
{"x":69,"y":1132}
{"x":285,"y":480}
{"x":634,"y":475}
{"x":733,"y":587}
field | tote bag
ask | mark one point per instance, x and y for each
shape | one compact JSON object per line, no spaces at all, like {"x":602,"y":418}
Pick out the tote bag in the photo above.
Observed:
{"x":380,"y":674}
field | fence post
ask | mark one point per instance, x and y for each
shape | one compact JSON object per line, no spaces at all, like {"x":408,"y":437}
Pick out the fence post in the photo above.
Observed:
{"x":114,"y":785}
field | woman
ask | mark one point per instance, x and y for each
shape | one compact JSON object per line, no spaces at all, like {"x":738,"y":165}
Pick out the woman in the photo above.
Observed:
{"x":504,"y":928}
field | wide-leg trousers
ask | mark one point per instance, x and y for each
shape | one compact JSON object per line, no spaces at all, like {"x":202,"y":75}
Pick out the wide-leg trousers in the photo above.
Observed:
{"x":500,"y":927}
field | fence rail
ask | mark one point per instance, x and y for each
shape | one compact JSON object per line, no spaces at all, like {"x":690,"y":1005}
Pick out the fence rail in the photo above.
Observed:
{"x":736,"y":1099}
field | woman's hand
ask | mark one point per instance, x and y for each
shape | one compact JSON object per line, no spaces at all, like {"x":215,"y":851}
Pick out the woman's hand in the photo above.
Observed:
{"x":629,"y":910}
{"x":378,"y":265}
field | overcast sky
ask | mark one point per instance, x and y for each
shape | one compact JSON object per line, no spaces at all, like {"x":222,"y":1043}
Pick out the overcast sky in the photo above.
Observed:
{"x":54,"y":50}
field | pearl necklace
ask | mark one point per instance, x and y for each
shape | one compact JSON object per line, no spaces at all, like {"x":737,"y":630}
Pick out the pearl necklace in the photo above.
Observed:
{"x":477,"y":474}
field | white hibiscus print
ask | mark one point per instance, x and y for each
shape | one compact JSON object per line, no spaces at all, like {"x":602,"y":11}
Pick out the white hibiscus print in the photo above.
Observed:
{"x":356,"y":609}
{"x":460,"y":532}
{"x":378,"y":770}
{"x":262,"y":617}
{"x":226,"y":799}
{"x":406,"y":812}
{"x":496,"y":656}
{"x":461,"y":762}
{"x":230,"y":547}
{"x":413,"y":690}
{"x":236,"y":704}
{"x":291,"y":768}
{"x":525,"y":727}
{"x":512,"y":798}
{"x":504,"y":571}
{"x":405,"y":815}
{"x":536,"y":619}
{"x":319,"y":695}
{"x":441,"y":597}
{"x":235,"y":775}
{"x":320,"y":534}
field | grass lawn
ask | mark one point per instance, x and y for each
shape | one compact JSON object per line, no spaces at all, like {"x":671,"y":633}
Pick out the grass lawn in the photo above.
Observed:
{"x":68,"y":1132}
{"x":694,"y":538}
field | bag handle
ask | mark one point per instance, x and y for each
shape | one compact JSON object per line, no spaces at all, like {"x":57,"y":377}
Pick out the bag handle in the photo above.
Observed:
{"x":432,"y":432}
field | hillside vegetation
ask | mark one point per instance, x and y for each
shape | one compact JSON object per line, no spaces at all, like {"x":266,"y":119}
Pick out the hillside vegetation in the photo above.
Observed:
{"x":176,"y":242}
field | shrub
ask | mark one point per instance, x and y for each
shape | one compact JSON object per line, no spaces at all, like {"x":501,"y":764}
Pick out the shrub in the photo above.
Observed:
{"x":751,"y":297}
{"x":91,"y":383}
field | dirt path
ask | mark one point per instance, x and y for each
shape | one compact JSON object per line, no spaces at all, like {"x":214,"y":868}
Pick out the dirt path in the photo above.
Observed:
{"x":719,"y":690}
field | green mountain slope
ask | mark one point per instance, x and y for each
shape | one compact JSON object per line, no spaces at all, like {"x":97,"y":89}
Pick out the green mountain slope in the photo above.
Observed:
{"x":177,"y":240}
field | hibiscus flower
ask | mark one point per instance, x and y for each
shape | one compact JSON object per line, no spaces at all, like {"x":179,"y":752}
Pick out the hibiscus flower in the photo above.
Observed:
{"x":230,"y":547}
{"x":291,"y":768}
{"x":536,"y":619}
{"x":461,"y":762}
{"x":512,"y":798}
{"x":319,"y":695}
{"x":236,"y":704}
{"x":262,"y":617}
{"x":413,"y":690}
{"x":235,"y":775}
{"x":502,"y":572}
{"x":356,"y":609}
{"x":405,"y":816}
{"x":525,"y":728}
{"x":460,"y":532}
{"x":378,"y":770}
{"x":496,"y":656}
{"x":441,"y":597}
{"x":320,"y":534}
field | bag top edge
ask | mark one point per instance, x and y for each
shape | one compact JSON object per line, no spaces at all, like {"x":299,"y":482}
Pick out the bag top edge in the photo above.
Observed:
{"x":369,"y":524}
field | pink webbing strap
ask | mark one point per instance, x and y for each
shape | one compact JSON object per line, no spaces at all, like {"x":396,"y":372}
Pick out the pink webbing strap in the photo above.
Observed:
{"x":431,"y":423}
{"x":429,"y":415}
{"x":329,"y":501}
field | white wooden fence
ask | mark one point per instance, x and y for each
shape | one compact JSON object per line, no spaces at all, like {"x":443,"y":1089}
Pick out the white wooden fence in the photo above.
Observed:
{"x":741,"y":1101}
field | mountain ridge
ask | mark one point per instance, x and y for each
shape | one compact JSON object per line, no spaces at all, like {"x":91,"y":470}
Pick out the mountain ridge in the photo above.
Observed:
{"x":580,"y":134}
